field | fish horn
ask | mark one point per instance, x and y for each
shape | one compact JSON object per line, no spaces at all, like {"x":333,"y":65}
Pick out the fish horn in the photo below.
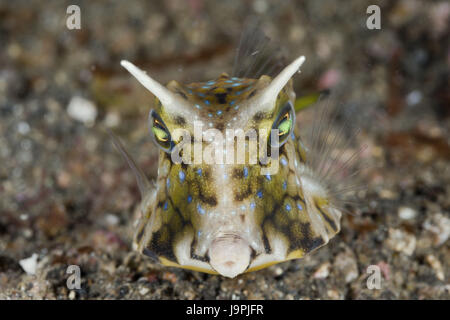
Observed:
{"x":269,"y":94}
{"x":168,"y":99}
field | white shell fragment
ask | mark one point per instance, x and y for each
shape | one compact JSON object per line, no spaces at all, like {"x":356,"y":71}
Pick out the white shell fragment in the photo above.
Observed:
{"x":82,"y":110}
{"x":401,"y":241}
{"x":29,"y":265}
{"x":406,"y":213}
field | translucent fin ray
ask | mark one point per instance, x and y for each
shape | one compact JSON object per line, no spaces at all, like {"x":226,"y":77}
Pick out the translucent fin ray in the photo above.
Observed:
{"x":256,"y":55}
{"x":333,"y":154}
{"x":141,"y":179}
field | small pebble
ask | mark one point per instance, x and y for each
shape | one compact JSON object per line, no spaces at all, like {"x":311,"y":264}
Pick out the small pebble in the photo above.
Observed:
{"x":406,"y":213}
{"x":323,"y":271}
{"x":346,"y":265}
{"x":169,"y":276}
{"x":23,"y":128}
{"x":439,"y":226}
{"x":385,"y":269}
{"x":112,"y":119}
{"x":144,"y":291}
{"x":112,"y":219}
{"x":387,"y":194}
{"x":72,"y":295}
{"x":333,"y":294}
{"x":278,"y":271}
{"x":63,"y":179}
{"x":436,"y":265}
{"x":413,"y":98}
{"x":401,"y":241}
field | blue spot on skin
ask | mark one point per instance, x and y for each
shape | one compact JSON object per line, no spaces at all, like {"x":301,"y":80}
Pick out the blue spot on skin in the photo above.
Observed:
{"x":284,"y":185}
{"x":283,"y":161}
{"x":199,"y":233}
{"x":292,"y":136}
{"x":299,"y":206}
{"x":219,"y":112}
{"x":181,"y":175}
{"x":232,"y":102}
{"x":197,"y":106}
{"x":243,"y":207}
{"x":259,"y":194}
{"x":200,"y":209}
{"x":268,"y":177}
{"x":237,"y":107}
{"x":245,"y":172}
{"x":252,"y":205}
{"x":288,"y":207}
{"x":210,"y":115}
{"x":207,"y":102}
{"x":165,"y":206}
{"x":199,"y":171}
{"x":168,"y":183}
{"x":189,"y":199}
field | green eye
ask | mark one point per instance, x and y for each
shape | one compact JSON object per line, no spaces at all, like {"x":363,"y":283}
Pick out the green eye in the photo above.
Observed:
{"x":160,"y":133}
{"x":283,"y":125}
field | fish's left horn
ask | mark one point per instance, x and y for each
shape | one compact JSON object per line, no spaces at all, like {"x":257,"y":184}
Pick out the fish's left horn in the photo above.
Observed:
{"x":270,"y":93}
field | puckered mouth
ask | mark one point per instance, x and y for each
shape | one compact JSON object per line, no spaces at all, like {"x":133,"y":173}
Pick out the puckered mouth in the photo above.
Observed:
{"x":229,"y":255}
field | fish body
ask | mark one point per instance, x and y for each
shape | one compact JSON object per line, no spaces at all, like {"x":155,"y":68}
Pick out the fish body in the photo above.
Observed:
{"x":230,"y":217}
